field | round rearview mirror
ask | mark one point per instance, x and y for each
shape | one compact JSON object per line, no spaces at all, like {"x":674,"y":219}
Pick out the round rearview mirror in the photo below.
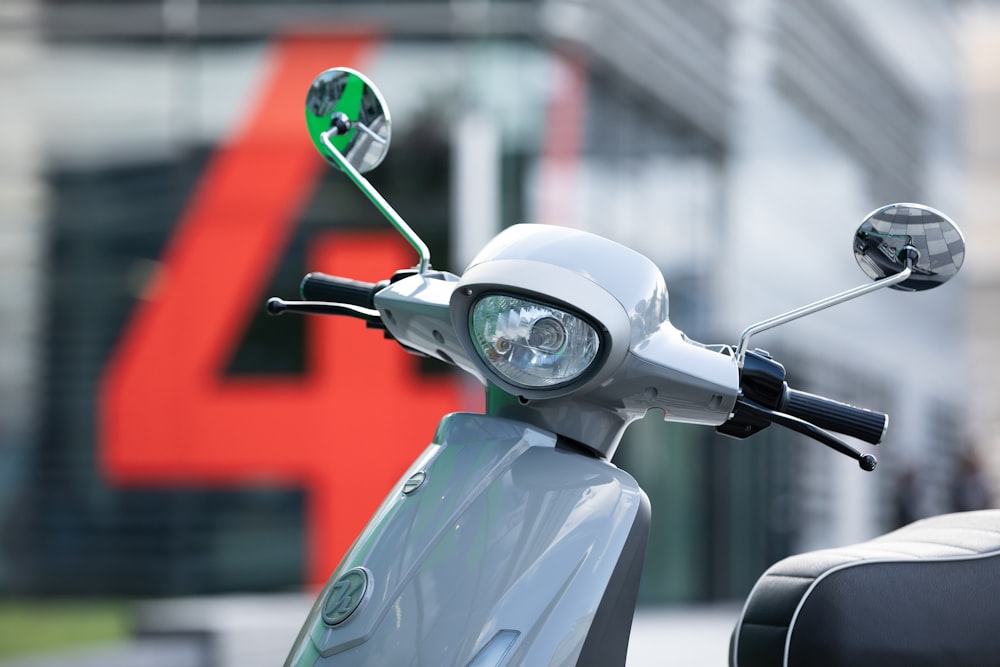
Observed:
{"x":346,"y":109}
{"x":894,"y":235}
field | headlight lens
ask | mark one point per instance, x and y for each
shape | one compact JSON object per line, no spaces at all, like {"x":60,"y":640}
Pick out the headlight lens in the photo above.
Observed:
{"x":531,"y":344}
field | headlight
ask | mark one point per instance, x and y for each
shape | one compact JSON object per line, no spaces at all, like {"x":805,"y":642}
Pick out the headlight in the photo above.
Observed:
{"x":531,"y":344}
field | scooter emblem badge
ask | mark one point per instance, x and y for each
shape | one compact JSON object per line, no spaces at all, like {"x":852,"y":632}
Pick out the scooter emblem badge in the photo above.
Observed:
{"x":345,"y":596}
{"x":415,"y":481}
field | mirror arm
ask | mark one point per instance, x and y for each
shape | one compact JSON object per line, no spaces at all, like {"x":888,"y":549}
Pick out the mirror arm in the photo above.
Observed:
{"x":744,"y":342}
{"x":380,"y":203}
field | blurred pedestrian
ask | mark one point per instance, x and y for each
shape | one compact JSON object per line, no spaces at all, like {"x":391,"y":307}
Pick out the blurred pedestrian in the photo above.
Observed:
{"x":971,"y":490}
{"x":908,"y":500}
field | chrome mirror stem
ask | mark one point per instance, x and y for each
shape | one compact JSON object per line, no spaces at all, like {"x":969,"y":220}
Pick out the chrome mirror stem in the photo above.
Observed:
{"x":380,"y":203}
{"x":744,"y":342}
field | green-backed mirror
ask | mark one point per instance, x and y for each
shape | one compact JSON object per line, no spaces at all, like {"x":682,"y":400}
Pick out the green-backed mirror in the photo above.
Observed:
{"x":348,"y":109}
{"x":894,"y":233}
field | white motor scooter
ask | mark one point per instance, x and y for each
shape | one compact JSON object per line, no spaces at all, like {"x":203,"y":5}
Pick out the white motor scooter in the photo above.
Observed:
{"x":512,"y":540}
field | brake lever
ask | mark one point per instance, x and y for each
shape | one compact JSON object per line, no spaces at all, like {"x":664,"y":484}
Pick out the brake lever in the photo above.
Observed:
{"x":278,"y":306}
{"x":866,"y":461}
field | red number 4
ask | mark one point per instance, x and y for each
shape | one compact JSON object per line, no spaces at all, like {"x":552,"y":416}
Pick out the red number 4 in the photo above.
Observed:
{"x":347,"y":429}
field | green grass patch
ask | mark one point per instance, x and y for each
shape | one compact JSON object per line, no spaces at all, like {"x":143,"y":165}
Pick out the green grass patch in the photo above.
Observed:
{"x":41,"y":626}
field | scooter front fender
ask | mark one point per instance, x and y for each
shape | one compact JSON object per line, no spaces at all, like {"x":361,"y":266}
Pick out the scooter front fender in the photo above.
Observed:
{"x":498,"y":547}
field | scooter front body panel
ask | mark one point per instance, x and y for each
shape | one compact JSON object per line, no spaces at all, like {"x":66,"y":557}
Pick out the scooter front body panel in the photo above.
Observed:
{"x":503,"y":549}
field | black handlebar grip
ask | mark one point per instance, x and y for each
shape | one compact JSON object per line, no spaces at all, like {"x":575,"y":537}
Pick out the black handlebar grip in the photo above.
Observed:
{"x":826,"y":413}
{"x":321,"y":287}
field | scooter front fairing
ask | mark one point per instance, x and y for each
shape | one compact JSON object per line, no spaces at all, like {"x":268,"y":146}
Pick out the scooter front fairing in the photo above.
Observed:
{"x":498,"y":546}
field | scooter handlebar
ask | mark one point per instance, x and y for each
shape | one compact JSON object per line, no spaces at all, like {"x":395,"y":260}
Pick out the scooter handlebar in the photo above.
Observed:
{"x":322,"y":287}
{"x":832,"y":415}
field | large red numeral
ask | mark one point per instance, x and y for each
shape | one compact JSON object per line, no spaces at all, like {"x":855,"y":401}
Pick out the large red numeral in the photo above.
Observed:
{"x":349,"y":428}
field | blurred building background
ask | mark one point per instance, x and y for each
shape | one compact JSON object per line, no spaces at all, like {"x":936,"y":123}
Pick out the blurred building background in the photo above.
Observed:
{"x":981,"y":140}
{"x":738,"y":144}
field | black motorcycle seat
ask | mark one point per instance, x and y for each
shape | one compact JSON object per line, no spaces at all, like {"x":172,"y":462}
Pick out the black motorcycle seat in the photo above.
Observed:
{"x":925,"y":594}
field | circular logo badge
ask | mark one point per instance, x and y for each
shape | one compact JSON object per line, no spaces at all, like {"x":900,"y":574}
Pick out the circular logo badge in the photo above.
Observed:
{"x":345,"y":595}
{"x":415,"y":481}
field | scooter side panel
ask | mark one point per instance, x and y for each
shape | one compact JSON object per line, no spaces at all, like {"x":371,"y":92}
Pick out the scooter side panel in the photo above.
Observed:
{"x":505,"y":552}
